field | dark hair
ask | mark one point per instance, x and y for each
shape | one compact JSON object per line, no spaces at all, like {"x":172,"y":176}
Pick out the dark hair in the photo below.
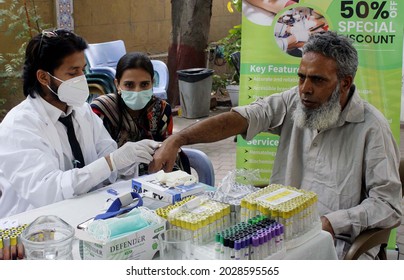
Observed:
{"x":337,"y":47}
{"x":132,"y":60}
{"x":46,"y":51}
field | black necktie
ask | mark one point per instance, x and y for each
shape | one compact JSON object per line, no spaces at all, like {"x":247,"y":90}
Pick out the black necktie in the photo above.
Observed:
{"x":74,"y":144}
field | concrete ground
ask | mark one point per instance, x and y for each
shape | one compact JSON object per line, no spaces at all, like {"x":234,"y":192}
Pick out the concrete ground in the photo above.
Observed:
{"x":221,"y":153}
{"x":223,"y":156}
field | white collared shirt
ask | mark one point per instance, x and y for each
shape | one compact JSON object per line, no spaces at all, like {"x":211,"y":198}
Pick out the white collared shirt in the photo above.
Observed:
{"x":54,"y":115}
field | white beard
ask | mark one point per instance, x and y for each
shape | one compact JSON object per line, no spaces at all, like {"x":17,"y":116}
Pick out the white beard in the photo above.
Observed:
{"x":321,"y":118}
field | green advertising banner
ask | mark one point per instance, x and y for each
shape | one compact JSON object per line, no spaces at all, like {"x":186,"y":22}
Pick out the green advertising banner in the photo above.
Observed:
{"x":273,"y":33}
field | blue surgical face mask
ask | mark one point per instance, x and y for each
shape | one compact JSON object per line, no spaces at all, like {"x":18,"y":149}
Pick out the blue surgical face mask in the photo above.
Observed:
{"x":136,"y":219}
{"x":137,"y":100}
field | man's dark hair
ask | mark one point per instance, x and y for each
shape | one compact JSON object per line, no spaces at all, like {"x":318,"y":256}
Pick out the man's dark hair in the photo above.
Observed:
{"x":46,"y":51}
{"x":337,"y":47}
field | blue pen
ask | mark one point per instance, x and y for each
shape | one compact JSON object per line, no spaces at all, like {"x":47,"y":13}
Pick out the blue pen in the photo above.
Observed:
{"x":112,"y":191}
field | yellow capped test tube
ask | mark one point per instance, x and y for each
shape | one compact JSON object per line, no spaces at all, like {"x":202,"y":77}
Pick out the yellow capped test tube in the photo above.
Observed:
{"x":226,"y":214}
{"x":13,"y":247}
{"x":1,"y":249}
{"x":243,"y":210}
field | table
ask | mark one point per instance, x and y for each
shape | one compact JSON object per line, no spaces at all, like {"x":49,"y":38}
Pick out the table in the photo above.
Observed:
{"x":79,"y":209}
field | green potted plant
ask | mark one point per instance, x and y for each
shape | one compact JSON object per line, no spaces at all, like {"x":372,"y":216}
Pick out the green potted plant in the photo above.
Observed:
{"x":232,"y":44}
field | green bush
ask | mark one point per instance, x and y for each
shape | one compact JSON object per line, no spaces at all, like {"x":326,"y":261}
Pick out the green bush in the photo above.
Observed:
{"x":19,"y":19}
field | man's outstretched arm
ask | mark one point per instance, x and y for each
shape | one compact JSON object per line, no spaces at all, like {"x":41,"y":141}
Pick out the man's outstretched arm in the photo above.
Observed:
{"x":209,"y":130}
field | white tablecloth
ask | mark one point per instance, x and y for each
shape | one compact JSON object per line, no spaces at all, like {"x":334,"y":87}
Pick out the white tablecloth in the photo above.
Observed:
{"x":320,"y":247}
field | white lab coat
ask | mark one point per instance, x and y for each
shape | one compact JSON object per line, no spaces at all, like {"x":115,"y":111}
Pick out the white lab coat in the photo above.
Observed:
{"x":33,"y":153}
{"x":10,"y":202}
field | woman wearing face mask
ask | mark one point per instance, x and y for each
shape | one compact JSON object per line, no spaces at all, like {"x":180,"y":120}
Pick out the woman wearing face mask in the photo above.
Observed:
{"x":53,"y":146}
{"x":134,"y":113}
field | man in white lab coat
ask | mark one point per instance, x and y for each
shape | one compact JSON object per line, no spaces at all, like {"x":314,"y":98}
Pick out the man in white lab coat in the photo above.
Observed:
{"x":42,"y":159}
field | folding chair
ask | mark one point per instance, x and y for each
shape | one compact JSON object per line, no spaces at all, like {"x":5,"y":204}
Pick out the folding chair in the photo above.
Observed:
{"x":103,"y":57}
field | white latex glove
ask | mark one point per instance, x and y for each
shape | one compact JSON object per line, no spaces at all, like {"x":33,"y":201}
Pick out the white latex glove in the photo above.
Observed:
{"x":301,"y":34}
{"x":133,"y":152}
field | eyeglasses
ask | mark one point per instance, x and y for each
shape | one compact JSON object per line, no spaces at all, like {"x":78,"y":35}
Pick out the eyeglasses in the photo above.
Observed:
{"x":52,"y":34}
{"x":49,"y":33}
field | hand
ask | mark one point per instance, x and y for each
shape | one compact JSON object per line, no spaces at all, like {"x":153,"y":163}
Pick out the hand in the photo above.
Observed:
{"x":164,"y":157}
{"x":133,"y":152}
{"x":326,"y":225}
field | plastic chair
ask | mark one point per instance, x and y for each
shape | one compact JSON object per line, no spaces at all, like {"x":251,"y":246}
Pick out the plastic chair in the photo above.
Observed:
{"x":106,"y":80}
{"x":95,"y":91}
{"x":369,"y":239}
{"x":99,"y":84}
{"x":374,"y":237}
{"x":103,"y":57}
{"x":235,"y":60}
{"x":107,"y":86}
{"x":161,"y":77}
{"x":199,"y":161}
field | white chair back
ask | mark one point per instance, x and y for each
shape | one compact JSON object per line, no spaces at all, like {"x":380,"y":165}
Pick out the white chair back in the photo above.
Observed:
{"x":161,"y":78}
{"x":103,"y":57}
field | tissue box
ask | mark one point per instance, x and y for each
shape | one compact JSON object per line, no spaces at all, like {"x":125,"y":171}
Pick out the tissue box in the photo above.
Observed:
{"x":152,"y":187}
{"x":138,"y":245}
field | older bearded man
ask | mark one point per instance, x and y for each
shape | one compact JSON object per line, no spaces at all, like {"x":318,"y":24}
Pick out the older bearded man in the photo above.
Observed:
{"x":331,"y":141}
